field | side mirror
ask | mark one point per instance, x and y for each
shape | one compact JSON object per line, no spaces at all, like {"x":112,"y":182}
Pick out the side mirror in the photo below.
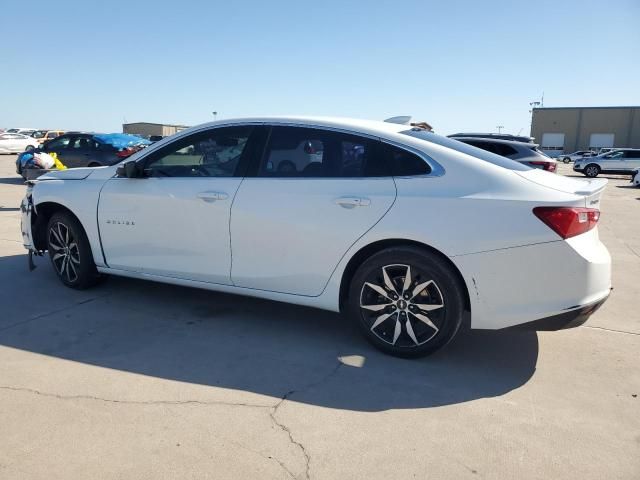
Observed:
{"x":129,"y":170}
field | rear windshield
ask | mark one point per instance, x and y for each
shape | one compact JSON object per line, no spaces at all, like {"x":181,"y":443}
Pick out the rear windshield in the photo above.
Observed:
{"x":467,"y":149}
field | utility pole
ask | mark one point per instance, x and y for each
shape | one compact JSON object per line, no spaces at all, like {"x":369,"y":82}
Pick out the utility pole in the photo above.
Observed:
{"x":500,"y":127}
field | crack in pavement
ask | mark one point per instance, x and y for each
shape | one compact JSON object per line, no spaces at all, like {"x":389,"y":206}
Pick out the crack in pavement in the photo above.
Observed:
{"x":273,"y":411}
{"x":611,"y":330}
{"x":287,"y":430}
{"x":266,"y":457}
{"x":132,"y":402}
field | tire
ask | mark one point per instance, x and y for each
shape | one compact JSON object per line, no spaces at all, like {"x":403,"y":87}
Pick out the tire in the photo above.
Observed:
{"x":392,"y":320}
{"x":592,"y":170}
{"x":566,"y":160}
{"x":286,"y":167}
{"x":70,"y":252}
{"x":30,"y":148}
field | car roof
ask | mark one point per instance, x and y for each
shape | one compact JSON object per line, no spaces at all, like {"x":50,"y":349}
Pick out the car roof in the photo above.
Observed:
{"x":365,"y":126}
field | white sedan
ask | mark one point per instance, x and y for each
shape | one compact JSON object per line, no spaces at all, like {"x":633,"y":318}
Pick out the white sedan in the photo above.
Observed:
{"x":400,"y":228}
{"x":16,"y":143}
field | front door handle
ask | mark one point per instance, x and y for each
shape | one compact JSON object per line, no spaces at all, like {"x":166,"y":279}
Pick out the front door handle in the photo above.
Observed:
{"x":212,"y":196}
{"x":352,"y":202}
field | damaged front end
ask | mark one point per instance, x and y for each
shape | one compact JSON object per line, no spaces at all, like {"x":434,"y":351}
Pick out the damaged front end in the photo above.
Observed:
{"x":27,"y":223}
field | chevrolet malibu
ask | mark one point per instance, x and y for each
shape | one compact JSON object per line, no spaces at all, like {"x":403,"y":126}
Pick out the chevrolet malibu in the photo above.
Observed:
{"x":411,"y":234}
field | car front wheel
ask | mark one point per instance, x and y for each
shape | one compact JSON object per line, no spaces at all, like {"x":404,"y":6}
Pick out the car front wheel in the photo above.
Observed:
{"x":70,"y":252}
{"x":406,"y":301}
{"x":592,"y":170}
{"x":566,"y":160}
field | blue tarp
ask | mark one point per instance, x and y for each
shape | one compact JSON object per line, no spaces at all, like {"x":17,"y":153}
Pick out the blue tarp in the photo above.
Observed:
{"x":26,"y":159}
{"x":121,"y":140}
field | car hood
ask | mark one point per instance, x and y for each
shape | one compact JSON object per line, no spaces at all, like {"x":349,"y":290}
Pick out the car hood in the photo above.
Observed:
{"x":68,"y":174}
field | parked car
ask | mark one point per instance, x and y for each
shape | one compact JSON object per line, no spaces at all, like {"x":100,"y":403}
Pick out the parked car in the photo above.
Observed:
{"x":16,"y":143}
{"x":79,"y":149}
{"x":22,"y":131}
{"x":437,"y":228}
{"x":46,"y":135}
{"x":635,"y":177}
{"x":527,"y":153}
{"x":606,"y":150}
{"x":572,"y":157}
{"x":495,"y":136}
{"x":620,"y":161}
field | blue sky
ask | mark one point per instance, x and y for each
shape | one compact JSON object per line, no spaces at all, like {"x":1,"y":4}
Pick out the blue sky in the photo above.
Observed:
{"x":460,"y":65}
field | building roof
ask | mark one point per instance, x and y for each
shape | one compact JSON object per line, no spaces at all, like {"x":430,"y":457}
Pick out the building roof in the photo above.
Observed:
{"x":587,"y":108}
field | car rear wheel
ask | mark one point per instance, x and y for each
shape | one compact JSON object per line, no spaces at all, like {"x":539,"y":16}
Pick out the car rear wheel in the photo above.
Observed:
{"x":70,"y":252}
{"x":592,"y":170}
{"x":566,"y":160}
{"x":406,"y":301}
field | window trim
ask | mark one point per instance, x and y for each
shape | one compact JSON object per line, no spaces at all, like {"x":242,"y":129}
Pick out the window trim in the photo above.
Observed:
{"x":243,"y":163}
{"x":251,"y":171}
{"x":437,"y":170}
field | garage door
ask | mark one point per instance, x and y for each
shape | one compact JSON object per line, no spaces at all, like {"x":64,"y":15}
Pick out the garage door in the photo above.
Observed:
{"x":552,"y":144}
{"x":601,"y":140}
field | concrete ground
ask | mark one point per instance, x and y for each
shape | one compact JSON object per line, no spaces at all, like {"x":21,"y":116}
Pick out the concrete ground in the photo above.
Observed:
{"x":139,"y":380}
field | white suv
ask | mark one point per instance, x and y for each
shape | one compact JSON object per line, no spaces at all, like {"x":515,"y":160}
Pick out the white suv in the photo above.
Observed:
{"x":621,"y":161}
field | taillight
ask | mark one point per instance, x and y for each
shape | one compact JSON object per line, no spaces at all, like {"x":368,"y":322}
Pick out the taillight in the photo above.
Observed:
{"x":127,"y":152}
{"x":548,"y":166}
{"x":568,"y":221}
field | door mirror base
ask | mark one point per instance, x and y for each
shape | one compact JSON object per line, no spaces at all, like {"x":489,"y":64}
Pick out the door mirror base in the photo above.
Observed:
{"x":129,"y":170}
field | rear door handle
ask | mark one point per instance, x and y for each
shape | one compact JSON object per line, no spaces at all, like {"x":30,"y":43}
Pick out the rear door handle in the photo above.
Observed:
{"x":352,"y":202}
{"x":212,"y":196}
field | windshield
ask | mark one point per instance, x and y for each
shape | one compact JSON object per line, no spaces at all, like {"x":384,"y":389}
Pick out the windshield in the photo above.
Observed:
{"x":467,"y":149}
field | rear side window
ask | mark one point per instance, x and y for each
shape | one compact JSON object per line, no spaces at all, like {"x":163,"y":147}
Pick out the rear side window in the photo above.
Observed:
{"x":467,"y":149}
{"x":313,"y":152}
{"x":404,"y":163}
{"x":505,"y":150}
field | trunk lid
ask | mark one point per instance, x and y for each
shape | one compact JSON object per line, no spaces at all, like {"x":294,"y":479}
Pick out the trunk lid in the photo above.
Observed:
{"x":591,"y":189}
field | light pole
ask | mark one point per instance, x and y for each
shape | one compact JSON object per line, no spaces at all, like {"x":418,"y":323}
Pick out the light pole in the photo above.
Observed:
{"x":500,"y":127}
{"x":215,"y":115}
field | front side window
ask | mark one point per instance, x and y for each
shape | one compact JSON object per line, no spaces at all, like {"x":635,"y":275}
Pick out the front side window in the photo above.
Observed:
{"x":214,"y":153}
{"x":59,"y":143}
{"x":314,"y":152}
{"x":615,"y":155}
{"x":83,"y":143}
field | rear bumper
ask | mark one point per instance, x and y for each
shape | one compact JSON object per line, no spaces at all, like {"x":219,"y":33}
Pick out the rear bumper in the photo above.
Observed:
{"x":521,"y":285}
{"x":570,"y":319}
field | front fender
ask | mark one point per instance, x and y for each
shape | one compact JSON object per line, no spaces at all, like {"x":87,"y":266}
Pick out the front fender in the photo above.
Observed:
{"x":80,"y":197}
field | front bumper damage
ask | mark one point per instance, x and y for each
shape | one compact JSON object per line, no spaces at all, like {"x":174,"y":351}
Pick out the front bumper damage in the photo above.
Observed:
{"x":27,"y":209}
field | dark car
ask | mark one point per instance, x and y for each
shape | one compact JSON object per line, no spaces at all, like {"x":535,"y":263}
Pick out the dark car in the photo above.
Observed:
{"x":523,"y":152}
{"x":80,"y":149}
{"x":494,"y":136}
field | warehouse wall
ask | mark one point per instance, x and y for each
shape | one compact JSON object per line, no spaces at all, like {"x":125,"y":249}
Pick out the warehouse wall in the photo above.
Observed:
{"x":577,"y":124}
